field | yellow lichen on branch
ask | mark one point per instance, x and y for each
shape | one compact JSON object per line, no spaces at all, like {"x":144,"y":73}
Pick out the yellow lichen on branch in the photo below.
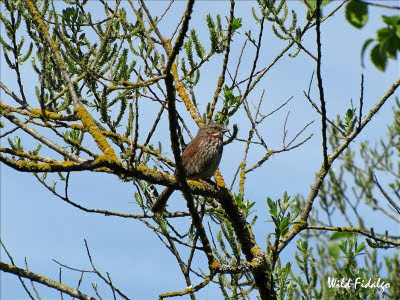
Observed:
{"x":185,"y":97}
{"x":182,"y":92}
{"x":219,"y":180}
{"x":258,"y":257}
{"x":242,"y":177}
{"x":36,"y":113}
{"x":51,"y":166}
{"x":42,"y":27}
{"x":189,"y":289}
{"x":96,"y":133}
{"x":214,"y":265}
{"x":26,"y":155}
{"x":29,"y":166}
{"x":123,"y":139}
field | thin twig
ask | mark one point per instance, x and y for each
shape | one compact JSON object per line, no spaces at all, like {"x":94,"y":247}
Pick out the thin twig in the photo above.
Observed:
{"x":361,"y":100}
{"x":321,"y":88}
{"x":32,"y":283}
{"x":353,"y":229}
{"x":44,"y":280}
{"x":221,"y":78}
{"x":335,"y":154}
{"x":101,"y":275}
{"x":388,"y":198}
{"x":380,"y":5}
{"x":19,"y":277}
{"x":154,"y":25}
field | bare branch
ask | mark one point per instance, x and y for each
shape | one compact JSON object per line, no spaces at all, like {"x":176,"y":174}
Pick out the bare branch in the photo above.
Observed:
{"x":386,"y":195}
{"x":320,"y":87}
{"x":44,"y":280}
{"x":332,"y":157}
{"x":355,"y":230}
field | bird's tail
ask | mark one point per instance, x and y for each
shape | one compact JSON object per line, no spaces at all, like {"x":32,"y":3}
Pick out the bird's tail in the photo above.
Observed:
{"x":159,"y":206}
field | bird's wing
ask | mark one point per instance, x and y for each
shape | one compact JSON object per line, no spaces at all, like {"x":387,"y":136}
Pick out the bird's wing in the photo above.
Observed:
{"x":189,"y":152}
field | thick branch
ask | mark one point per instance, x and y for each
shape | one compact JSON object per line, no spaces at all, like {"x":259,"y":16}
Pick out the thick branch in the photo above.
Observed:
{"x":173,"y":127}
{"x":179,"y":41}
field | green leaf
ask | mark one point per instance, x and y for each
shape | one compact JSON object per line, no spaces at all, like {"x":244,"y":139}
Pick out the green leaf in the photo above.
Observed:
{"x":36,"y":151}
{"x":272,"y":207}
{"x":357,"y":13}
{"x":379,"y":60}
{"x":197,"y":45}
{"x":349,"y":114}
{"x":360,"y":248}
{"x":276,"y":221}
{"x":6,"y":46}
{"x":163,"y":225}
{"x":349,"y":120}
{"x":364,"y":47}
{"x":392,"y":20}
{"x":228,"y":95}
{"x":343,"y":246}
{"x":392,"y":46}
{"x":302,"y":245}
{"x":340,"y":235}
{"x":138,"y":199}
{"x":334,"y":250}
{"x":53,"y":186}
{"x":26,"y":56}
{"x":239,"y":199}
{"x":15,"y":144}
{"x":213,"y":33}
{"x":284,"y":226}
{"x":61,"y":176}
{"x":236,"y":24}
{"x":44,"y":176}
{"x":384,"y":33}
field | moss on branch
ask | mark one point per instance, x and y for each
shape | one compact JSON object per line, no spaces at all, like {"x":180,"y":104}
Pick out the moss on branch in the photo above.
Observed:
{"x":37,"y":113}
{"x":101,"y":141}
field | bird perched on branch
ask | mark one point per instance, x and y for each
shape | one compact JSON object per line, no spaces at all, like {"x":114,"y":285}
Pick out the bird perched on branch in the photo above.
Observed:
{"x":200,"y":159}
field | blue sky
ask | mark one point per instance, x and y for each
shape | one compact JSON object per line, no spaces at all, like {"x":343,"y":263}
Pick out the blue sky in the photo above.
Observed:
{"x":38,"y":226}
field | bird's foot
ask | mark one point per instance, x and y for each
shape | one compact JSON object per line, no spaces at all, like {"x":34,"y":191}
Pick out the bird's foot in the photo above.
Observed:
{"x":207,"y":182}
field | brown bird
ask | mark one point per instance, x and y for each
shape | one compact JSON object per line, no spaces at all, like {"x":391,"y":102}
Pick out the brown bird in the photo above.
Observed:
{"x":200,"y":159}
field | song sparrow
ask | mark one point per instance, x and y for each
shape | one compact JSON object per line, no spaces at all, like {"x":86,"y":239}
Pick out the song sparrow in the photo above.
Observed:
{"x":200,"y":159}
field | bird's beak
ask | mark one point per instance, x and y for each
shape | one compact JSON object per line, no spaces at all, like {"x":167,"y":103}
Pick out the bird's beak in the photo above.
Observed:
{"x":225,"y":130}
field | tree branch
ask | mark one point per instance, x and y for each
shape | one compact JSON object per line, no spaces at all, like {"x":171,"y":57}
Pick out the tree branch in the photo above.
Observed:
{"x":354,"y":230}
{"x":44,"y":280}
{"x":321,"y":88}
{"x":331,"y":158}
